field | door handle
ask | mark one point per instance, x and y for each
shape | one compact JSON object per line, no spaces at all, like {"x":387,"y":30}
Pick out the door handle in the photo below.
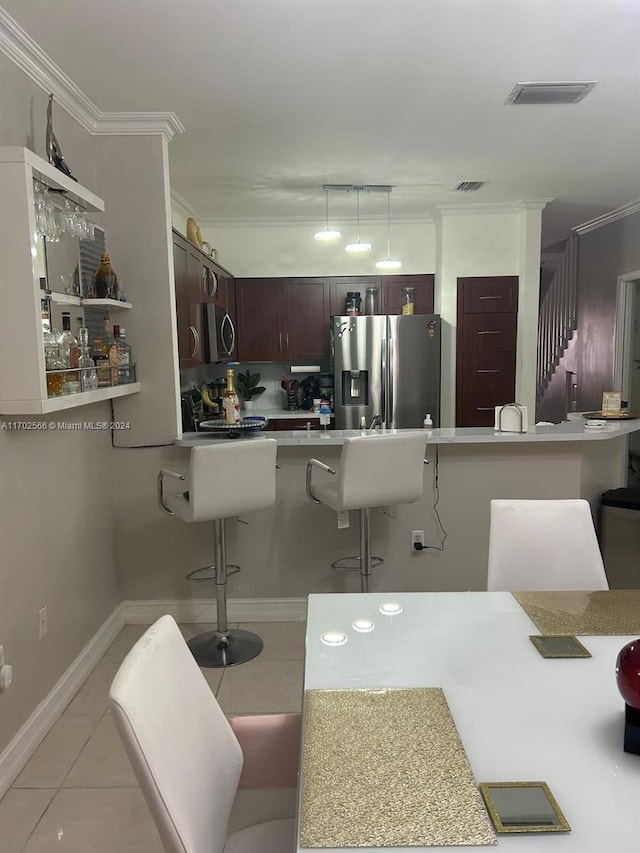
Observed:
{"x":491,"y":332}
{"x":485,"y":409}
{"x":487,"y":371}
{"x":490,"y":297}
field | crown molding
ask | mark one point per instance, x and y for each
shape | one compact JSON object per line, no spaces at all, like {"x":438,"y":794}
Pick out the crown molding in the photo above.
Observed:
{"x":307,"y":221}
{"x":29,"y":57}
{"x":139,"y":124}
{"x":607,"y":218}
{"x":483,"y":208}
{"x":184,"y":208}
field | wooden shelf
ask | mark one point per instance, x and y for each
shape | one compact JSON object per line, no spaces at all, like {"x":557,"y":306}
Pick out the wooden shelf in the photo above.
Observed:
{"x":66,"y":401}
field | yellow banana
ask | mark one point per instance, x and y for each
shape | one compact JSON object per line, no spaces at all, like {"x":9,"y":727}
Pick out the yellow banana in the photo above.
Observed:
{"x":206,"y":399}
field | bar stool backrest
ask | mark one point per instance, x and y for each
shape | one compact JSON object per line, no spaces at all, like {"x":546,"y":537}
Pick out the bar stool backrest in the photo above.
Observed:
{"x":380,"y":470}
{"x":231,"y":478}
{"x":184,"y":753}
{"x":544,"y":545}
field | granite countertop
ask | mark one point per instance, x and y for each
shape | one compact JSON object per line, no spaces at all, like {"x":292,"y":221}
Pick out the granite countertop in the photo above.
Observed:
{"x":573,"y":430}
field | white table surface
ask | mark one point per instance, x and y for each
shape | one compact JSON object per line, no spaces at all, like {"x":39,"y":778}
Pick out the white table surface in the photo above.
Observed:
{"x":521,"y":717}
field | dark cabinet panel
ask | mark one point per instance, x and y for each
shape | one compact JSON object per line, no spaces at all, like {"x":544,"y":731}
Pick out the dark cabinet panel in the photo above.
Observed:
{"x":283,"y":424}
{"x":306,"y":316}
{"x":485,"y":347}
{"x":489,"y":294}
{"x":483,"y":370}
{"x":198,"y":281}
{"x":260,"y":319}
{"x":423,"y":293}
{"x":478,"y":407}
{"x":283,"y":319}
{"x":489,"y":333}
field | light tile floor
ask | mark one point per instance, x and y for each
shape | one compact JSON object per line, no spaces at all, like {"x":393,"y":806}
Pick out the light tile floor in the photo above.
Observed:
{"x":78,"y":792}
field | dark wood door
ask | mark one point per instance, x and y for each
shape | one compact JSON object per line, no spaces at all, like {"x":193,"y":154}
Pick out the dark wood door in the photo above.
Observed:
{"x":197,"y":299}
{"x":261,"y":336}
{"x":392,"y":293}
{"x":341,"y":285}
{"x":306,"y":314}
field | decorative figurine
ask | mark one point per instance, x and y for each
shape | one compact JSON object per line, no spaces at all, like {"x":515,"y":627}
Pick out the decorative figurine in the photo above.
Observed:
{"x":54,"y":152}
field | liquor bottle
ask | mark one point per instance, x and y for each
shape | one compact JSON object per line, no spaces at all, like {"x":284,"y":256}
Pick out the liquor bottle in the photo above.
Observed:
{"x":67,"y":342}
{"x":112,"y":351}
{"x":123,"y":352}
{"x":105,"y":280}
{"x":101,"y":361}
{"x":88,"y":372}
{"x":231,"y":401}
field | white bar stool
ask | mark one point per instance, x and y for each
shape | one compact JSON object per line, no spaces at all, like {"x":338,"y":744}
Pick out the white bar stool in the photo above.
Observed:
{"x":374,"y":470}
{"x":224,"y":480}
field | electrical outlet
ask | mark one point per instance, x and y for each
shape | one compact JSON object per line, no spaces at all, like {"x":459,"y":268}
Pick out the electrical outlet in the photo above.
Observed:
{"x":417,"y":540}
{"x":42,"y":622}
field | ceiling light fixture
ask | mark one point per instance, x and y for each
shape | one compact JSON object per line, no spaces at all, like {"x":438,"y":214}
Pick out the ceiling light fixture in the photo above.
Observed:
{"x":388,"y":263}
{"x":358,"y":247}
{"x":327,"y":234}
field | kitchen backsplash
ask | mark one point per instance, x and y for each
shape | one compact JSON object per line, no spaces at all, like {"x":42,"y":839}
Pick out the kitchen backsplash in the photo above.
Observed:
{"x":271,"y":375}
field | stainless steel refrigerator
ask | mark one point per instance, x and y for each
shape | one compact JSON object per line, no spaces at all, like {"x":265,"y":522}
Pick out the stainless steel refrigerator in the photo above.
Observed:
{"x":386,"y":365}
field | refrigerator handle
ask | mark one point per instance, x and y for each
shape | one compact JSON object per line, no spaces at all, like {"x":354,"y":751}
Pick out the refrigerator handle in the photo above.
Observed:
{"x":383,"y":381}
{"x":389,"y":420}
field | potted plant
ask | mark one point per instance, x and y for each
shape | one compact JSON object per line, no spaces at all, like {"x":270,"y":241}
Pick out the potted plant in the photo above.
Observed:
{"x":249,"y":388}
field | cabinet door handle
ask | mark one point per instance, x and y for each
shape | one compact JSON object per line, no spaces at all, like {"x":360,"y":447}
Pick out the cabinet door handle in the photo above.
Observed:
{"x":194,"y":332}
{"x":491,"y":332}
{"x":485,"y":409}
{"x":227,"y":319}
{"x":286,"y":342}
{"x":487,"y":371}
{"x":280,"y":342}
{"x":205,"y":276}
{"x":490,"y":297}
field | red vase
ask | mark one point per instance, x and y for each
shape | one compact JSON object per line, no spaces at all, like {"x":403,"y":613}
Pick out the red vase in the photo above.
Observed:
{"x":628,"y":673}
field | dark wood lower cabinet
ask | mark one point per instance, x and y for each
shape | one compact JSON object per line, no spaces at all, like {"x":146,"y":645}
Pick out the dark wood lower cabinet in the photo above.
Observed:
{"x":284,"y":424}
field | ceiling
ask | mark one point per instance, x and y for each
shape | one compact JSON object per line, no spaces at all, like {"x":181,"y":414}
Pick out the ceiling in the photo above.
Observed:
{"x":281,"y":96}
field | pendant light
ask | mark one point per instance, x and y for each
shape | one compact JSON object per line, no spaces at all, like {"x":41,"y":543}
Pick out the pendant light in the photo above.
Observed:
{"x":327,"y":234}
{"x":388,"y":263}
{"x":358,"y":247}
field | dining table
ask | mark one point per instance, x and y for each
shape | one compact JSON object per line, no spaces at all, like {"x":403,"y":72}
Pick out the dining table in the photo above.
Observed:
{"x":519,"y":716}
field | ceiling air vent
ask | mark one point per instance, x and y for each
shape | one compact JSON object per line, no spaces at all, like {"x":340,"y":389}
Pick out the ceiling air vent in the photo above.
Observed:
{"x":469,"y":186}
{"x":549,"y":93}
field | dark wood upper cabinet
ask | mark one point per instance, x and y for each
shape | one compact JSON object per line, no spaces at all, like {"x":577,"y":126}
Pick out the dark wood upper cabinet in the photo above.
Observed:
{"x":306,"y":317}
{"x":198,"y":281}
{"x":283,"y":319}
{"x":260,"y":319}
{"x":392,"y":286}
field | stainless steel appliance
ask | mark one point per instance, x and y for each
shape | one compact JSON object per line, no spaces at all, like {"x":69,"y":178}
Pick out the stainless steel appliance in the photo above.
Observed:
{"x":220,"y":334}
{"x":386,"y":365}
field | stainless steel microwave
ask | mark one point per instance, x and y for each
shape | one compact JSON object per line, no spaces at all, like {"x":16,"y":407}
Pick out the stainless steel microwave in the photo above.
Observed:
{"x":219,"y":334}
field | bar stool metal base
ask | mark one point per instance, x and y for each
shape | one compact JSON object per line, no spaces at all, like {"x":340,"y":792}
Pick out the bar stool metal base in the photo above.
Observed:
{"x":216,"y":649}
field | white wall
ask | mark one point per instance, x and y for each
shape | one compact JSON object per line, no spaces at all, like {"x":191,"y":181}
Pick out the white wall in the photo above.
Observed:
{"x":263,"y":250}
{"x":481,"y":241}
{"x":57,"y":516}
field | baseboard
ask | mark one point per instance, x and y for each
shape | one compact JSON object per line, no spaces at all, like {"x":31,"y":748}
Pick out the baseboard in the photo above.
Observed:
{"x":30,"y":736}
{"x":204,"y":610}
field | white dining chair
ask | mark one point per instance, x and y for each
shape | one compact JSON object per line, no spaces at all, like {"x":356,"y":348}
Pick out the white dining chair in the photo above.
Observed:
{"x":188,"y":759}
{"x":544,"y":545}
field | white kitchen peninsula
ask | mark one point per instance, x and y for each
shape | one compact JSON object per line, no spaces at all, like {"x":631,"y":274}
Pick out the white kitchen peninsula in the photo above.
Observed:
{"x":290,"y":547}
